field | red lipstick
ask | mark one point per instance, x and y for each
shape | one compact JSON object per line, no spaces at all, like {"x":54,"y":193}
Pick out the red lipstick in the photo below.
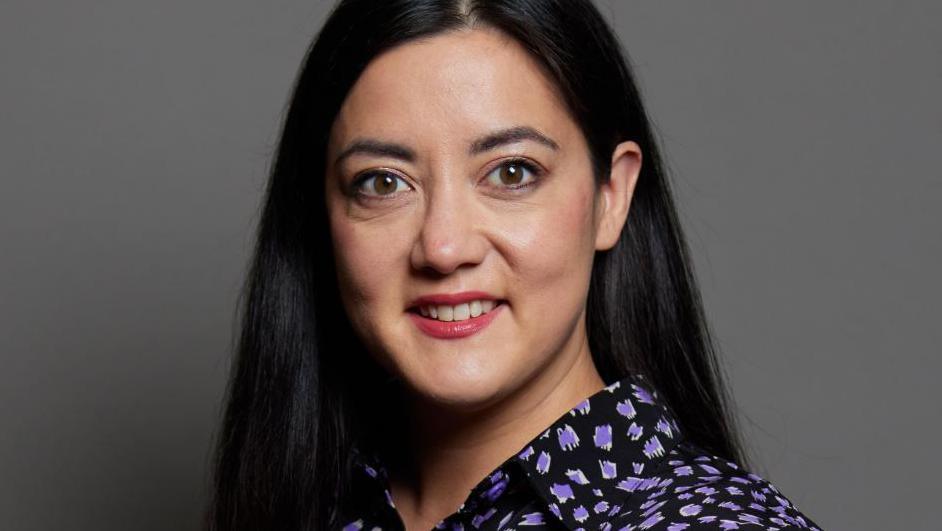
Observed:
{"x":453,"y":329}
{"x":452,"y":299}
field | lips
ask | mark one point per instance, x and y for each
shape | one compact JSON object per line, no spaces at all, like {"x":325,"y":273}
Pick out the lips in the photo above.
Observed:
{"x":452,"y":299}
{"x":455,"y":329}
{"x":455,"y":315}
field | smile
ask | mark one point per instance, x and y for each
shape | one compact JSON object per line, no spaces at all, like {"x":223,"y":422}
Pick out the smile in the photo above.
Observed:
{"x":454,"y":322}
{"x":458,"y":312}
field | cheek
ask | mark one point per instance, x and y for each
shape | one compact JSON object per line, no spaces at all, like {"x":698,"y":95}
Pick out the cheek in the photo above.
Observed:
{"x":550,"y":253}
{"x":368,"y":258}
{"x":557,"y":243}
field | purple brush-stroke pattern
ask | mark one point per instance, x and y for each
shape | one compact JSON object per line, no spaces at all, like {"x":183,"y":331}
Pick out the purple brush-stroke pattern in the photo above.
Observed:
{"x":526,"y":453}
{"x":568,"y":439}
{"x":533,"y":519}
{"x":653,"y":448}
{"x":643,"y":395}
{"x":651,"y":521}
{"x":609,"y":469}
{"x":580,"y":514}
{"x":626,"y":409}
{"x":664,"y":427}
{"x":577,"y":476}
{"x":543,"y":463}
{"x":583,"y":408}
{"x":603,"y":437}
{"x":676,"y":485}
{"x":562,"y":491}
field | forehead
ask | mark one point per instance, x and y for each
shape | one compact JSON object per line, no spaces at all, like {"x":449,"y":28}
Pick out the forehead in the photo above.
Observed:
{"x":449,"y":88}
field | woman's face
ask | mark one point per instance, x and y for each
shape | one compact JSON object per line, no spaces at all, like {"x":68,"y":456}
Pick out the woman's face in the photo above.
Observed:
{"x":457,"y":181}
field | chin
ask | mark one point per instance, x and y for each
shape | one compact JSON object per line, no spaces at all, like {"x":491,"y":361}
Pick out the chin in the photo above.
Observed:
{"x":462,"y":390}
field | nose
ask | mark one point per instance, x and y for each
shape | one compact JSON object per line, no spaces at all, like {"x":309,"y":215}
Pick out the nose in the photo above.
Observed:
{"x":449,"y":237}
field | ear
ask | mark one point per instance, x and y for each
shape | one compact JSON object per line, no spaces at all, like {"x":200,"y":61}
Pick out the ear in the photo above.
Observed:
{"x":615,"y":195}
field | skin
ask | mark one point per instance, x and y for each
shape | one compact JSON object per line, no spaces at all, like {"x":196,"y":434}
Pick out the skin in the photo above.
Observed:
{"x":447,"y":222}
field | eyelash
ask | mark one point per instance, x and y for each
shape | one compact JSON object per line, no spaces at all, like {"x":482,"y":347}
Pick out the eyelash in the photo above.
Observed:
{"x":535,"y":171}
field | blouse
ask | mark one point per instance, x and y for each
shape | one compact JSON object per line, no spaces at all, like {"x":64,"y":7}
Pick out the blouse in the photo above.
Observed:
{"x":616,"y":461}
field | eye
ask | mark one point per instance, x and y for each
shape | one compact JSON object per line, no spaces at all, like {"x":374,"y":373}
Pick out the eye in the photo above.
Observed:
{"x":514,"y":174}
{"x":380,"y":184}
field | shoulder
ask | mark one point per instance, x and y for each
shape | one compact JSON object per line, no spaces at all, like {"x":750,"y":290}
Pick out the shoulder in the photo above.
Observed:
{"x":696,"y":490}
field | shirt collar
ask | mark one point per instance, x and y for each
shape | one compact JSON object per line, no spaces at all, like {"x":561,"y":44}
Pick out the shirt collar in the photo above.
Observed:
{"x":590,"y":460}
{"x":587,"y":463}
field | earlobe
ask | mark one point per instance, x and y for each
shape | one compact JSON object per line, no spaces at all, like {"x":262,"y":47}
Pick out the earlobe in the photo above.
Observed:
{"x":616,"y":194}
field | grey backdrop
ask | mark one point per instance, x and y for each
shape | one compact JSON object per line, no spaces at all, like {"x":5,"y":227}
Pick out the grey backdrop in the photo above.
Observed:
{"x":804,"y":140}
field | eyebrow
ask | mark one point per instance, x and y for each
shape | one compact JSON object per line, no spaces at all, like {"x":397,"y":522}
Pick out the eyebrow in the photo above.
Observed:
{"x":510,"y":135}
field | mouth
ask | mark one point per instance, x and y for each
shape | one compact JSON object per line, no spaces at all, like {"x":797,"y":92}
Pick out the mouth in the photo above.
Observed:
{"x":464,"y":311}
{"x":445,"y":321}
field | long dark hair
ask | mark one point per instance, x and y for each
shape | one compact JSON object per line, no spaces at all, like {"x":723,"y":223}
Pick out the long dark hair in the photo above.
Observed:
{"x":300,"y":388}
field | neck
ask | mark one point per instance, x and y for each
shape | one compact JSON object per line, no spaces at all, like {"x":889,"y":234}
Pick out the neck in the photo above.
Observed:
{"x":426,"y":487}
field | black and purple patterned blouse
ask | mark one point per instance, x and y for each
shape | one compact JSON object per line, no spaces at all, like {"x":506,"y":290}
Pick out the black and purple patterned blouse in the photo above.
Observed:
{"x":617,"y":461}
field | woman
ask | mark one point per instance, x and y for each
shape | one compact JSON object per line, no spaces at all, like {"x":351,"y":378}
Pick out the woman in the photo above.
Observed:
{"x":470,"y":304}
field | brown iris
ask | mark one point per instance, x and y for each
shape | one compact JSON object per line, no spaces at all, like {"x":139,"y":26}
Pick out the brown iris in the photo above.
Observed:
{"x":511,"y":174}
{"x":384,"y":184}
